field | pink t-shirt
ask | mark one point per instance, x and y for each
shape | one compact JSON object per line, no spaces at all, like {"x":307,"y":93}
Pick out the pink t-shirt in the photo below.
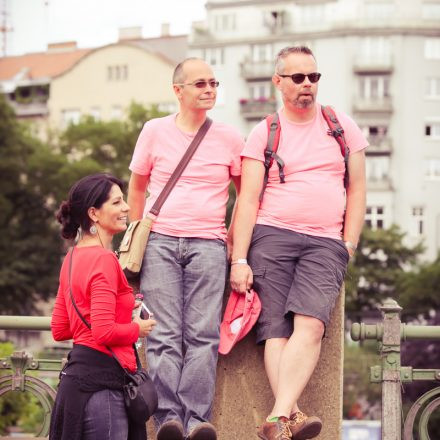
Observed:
{"x":196,"y":206}
{"x":312,"y":199}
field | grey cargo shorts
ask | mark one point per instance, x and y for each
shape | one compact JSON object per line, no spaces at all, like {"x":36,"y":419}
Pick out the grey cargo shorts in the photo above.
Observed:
{"x":294,"y":273}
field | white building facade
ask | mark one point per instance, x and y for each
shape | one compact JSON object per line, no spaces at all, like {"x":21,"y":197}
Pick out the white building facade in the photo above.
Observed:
{"x":380,"y":63}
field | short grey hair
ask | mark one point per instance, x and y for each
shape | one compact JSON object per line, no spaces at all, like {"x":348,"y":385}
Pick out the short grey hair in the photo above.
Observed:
{"x":286,"y":51}
{"x":178,"y":75}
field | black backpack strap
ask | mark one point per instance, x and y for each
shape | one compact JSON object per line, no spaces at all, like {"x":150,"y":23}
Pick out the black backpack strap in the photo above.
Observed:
{"x":270,"y":153}
{"x":336,"y":130}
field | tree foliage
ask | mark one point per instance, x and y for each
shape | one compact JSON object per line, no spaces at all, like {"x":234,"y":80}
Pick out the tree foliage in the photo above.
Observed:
{"x":34,"y":178}
{"x":377,"y":269}
{"x":29,"y":249}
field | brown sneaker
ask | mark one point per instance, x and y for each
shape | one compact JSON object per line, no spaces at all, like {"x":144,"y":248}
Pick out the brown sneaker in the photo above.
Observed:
{"x":203,"y":431}
{"x":303,"y":427}
{"x":170,"y":430}
{"x":275,"y":430}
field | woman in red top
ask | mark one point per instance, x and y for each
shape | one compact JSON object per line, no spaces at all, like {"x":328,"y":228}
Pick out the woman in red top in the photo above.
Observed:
{"x":89,"y":403}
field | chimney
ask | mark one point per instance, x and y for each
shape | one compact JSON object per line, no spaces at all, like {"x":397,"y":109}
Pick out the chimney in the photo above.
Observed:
{"x":165,"y":30}
{"x":65,"y":46}
{"x":130,"y":33}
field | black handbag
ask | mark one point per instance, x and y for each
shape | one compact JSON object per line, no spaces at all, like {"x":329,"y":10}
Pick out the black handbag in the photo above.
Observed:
{"x":140,"y":395}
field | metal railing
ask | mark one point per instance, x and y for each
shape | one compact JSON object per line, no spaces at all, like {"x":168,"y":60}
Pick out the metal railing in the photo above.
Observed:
{"x":390,"y":333}
{"x":20,"y":362}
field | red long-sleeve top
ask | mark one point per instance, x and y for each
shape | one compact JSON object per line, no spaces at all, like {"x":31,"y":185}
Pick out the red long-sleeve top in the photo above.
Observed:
{"x":105,"y":299}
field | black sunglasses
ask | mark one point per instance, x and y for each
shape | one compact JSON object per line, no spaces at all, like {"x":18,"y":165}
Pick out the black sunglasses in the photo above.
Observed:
{"x":202,"y":84}
{"x":298,"y":78}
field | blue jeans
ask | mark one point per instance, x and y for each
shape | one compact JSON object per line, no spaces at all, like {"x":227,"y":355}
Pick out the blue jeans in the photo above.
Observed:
{"x":105,"y":417}
{"x":183,"y":281}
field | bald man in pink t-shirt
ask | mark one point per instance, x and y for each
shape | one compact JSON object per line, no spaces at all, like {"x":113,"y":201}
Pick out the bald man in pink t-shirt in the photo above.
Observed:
{"x":293,"y":239}
{"x":184,"y":268}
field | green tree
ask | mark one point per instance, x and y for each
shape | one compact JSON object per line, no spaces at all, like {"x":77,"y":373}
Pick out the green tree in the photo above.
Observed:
{"x":30,"y":247}
{"x":106,"y":145}
{"x":419,"y":289}
{"x":377,"y":268}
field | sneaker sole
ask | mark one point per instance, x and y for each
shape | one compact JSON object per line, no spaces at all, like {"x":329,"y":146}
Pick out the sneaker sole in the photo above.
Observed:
{"x":308,"y":432}
{"x":203,"y":434}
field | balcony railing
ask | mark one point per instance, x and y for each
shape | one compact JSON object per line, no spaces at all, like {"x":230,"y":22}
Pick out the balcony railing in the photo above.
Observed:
{"x":379,"y":145}
{"x":254,"y":109}
{"x":376,"y":64}
{"x":376,"y":105}
{"x":252,"y":70}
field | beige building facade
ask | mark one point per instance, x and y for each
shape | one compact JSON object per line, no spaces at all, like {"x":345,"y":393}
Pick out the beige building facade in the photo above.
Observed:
{"x":105,"y":81}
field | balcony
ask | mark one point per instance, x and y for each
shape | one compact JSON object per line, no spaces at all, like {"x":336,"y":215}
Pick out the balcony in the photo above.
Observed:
{"x":34,"y":108}
{"x":256,"y":109}
{"x":373,"y":105}
{"x":379,"y":145}
{"x":254,"y":70}
{"x":373,"y":64}
{"x":382,"y":183}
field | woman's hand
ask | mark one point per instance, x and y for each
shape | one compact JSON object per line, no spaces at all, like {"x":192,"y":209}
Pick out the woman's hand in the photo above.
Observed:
{"x":241,"y":277}
{"x":145,"y":326}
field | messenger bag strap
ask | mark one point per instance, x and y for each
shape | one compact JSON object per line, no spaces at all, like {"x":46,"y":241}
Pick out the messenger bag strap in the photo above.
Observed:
{"x":180,"y":167}
{"x":88,"y":325}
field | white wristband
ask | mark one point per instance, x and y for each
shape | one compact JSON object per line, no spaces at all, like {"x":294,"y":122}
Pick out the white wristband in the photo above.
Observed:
{"x":239,"y":261}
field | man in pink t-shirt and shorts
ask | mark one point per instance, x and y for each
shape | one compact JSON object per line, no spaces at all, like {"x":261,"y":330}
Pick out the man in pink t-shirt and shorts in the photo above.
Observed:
{"x":184,"y":268}
{"x":293,"y":239}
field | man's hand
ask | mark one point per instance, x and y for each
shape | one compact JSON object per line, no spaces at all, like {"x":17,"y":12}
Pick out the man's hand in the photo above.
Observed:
{"x":241,"y":277}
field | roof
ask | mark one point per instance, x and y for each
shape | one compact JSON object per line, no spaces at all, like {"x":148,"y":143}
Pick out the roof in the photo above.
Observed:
{"x":39,"y":65}
{"x":173,"y":47}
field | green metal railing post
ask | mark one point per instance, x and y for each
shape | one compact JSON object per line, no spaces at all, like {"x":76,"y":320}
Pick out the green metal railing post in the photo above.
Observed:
{"x":390,"y":333}
{"x":390,"y":353}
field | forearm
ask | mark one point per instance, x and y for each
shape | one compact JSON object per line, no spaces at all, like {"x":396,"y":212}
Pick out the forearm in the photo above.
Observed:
{"x":136,"y":196}
{"x":244,"y":222}
{"x":354,"y":215}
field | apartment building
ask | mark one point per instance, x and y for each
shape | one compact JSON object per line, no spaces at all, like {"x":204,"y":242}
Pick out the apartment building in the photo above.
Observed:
{"x":380,"y":63}
{"x":57,"y":87}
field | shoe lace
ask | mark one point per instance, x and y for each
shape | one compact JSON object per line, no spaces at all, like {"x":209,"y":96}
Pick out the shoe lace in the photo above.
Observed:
{"x":284,"y":433}
{"x":298,"y":417}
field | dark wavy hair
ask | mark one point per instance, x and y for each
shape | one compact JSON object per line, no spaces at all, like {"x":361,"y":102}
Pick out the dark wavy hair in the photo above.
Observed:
{"x":90,"y":191}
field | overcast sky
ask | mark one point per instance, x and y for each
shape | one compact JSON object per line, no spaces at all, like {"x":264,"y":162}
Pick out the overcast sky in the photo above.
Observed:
{"x":92,"y":23}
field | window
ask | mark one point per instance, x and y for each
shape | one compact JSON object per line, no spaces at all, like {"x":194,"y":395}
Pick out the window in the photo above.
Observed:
{"x":432,"y":169}
{"x":377,"y":168}
{"x":260,"y":90}
{"x":374,"y":217}
{"x":274,"y":20}
{"x":431,"y":11}
{"x":95,"y":113}
{"x":379,"y":9}
{"x":225,"y":22}
{"x":432,"y":87}
{"x":376,"y":49}
{"x":374,"y":86}
{"x":70,"y":116}
{"x":214,"y":56}
{"x":417,"y":221}
{"x":432,"y":130}
{"x":432,"y":48}
{"x":116,"y":112}
{"x":262,"y":52}
{"x":117,"y":72}
{"x":313,"y":14}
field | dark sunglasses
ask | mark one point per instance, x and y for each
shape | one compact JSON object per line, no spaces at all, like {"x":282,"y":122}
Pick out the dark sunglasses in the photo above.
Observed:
{"x":202,"y":84}
{"x":298,"y":78}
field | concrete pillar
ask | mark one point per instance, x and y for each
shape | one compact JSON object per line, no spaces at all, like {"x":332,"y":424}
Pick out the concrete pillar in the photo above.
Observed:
{"x":244,"y":399}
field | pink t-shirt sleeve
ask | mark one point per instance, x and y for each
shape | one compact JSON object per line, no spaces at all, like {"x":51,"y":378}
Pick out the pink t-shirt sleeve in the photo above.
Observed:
{"x":237,"y":147}
{"x":353,"y":135}
{"x":256,"y":142}
{"x":141,"y":162}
